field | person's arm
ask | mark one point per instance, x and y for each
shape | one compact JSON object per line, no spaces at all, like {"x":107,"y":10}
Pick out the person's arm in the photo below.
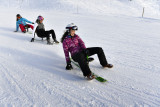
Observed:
{"x":82,"y":44}
{"x":17,"y":26}
{"x":28,"y":21}
{"x":34,"y":29}
{"x":66,"y":52}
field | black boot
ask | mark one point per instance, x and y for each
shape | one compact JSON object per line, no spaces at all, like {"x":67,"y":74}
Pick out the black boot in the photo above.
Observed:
{"x":56,"y":41}
{"x":91,"y":76}
{"x":24,"y":31}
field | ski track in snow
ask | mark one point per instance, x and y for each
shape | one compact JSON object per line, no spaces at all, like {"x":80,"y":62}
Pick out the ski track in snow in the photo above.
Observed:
{"x":33,"y":74}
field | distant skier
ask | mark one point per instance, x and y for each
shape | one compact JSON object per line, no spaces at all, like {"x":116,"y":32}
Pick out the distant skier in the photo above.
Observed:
{"x":21,"y":22}
{"x":41,"y":32}
{"x":73,"y":44}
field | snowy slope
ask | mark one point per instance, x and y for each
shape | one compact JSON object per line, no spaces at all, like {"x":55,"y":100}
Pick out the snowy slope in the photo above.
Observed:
{"x":123,"y":7}
{"x":33,"y":74}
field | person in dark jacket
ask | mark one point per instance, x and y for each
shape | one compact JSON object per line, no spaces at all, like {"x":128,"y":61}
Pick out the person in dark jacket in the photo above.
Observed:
{"x":74,"y":45}
{"x":41,"y":32}
{"x":21,"y":22}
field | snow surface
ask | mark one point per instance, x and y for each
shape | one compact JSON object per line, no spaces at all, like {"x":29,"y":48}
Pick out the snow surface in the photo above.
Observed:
{"x":124,"y":7}
{"x":34,"y":75}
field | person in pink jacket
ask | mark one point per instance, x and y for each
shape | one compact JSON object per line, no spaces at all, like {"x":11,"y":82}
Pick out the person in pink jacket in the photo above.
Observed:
{"x":74,"y":45}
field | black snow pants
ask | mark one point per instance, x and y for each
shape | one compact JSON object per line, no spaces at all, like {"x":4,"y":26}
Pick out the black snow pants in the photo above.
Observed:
{"x":42,"y":33}
{"x":81,"y":58}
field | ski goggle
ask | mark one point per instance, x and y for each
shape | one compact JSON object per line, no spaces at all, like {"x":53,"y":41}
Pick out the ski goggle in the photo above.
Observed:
{"x":73,"y":28}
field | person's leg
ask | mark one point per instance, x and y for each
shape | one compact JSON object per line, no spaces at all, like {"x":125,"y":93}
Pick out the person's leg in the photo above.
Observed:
{"x":47,"y":34}
{"x":81,"y":59}
{"x":30,"y":26}
{"x":53,"y":35}
{"x":22,"y":28}
{"x":100,"y":53}
{"x":43,"y":34}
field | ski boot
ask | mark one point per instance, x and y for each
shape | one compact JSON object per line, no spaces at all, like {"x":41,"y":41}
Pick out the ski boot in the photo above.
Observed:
{"x":56,"y":41}
{"x":108,"y":66}
{"x":91,"y":76}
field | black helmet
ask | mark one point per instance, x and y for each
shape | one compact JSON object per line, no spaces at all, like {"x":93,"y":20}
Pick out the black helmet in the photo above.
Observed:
{"x":18,"y":15}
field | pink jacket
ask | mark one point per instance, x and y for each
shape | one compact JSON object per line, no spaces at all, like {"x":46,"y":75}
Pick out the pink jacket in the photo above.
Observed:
{"x":73,"y":45}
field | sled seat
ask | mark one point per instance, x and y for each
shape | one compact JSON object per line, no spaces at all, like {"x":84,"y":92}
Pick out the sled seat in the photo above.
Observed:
{"x":33,"y":39}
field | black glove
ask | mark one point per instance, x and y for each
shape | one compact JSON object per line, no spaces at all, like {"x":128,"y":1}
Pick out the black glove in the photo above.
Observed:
{"x":90,"y":59}
{"x":69,"y":67}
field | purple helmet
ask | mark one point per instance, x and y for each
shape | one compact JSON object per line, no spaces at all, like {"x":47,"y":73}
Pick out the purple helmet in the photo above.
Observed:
{"x":40,"y":18}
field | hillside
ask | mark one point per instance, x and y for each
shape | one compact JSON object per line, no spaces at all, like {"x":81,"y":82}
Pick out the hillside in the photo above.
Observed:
{"x":122,"y":7}
{"x":34,"y":75}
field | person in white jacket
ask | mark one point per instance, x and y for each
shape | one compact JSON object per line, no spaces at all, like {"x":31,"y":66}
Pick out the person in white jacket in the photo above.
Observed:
{"x":40,"y":31}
